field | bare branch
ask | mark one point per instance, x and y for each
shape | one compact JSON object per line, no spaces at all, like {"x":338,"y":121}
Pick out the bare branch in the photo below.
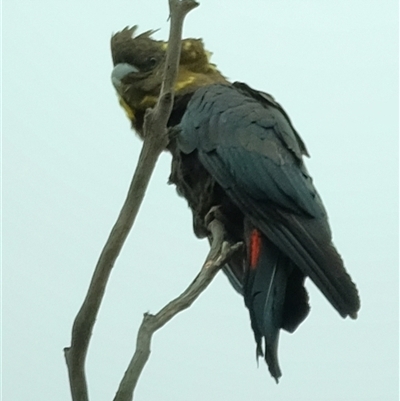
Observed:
{"x":155,"y":141}
{"x":220,"y":252}
{"x":158,"y":117}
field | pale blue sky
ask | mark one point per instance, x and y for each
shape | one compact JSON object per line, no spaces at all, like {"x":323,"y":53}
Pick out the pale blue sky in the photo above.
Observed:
{"x":68,"y":159}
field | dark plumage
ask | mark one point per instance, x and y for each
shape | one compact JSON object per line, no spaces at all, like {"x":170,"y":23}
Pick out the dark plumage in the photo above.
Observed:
{"x":235,"y":149}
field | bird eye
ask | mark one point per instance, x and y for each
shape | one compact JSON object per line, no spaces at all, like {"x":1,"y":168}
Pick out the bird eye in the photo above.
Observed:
{"x":152,"y":61}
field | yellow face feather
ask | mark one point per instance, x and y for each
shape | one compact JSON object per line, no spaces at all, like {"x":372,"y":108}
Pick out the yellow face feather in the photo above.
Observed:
{"x":195,"y":71}
{"x":184,"y":80}
{"x":128,"y":111}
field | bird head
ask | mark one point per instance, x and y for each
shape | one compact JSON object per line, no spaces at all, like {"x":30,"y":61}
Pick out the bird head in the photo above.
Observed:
{"x":139,"y":63}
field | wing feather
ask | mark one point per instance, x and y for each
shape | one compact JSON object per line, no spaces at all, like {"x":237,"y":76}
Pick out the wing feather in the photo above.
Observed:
{"x":247,"y":146}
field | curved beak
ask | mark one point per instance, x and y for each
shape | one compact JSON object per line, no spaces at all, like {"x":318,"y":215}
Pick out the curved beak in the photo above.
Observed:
{"x":119,"y":72}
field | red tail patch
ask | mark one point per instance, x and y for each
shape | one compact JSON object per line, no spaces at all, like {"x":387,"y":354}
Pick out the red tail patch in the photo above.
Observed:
{"x":255,"y":248}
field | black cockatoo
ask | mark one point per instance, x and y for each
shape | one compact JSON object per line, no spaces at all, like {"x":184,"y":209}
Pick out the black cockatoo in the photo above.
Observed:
{"x":235,"y":151}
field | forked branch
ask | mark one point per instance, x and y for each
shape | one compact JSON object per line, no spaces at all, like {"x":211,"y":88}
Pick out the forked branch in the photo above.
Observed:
{"x":220,"y":252}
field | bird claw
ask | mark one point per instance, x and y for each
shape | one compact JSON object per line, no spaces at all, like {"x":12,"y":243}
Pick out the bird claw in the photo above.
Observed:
{"x":214,"y":213}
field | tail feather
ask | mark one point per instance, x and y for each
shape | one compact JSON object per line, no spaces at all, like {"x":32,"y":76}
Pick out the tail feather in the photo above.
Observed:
{"x":308,"y":243}
{"x":268,"y":275}
{"x":296,"y":302}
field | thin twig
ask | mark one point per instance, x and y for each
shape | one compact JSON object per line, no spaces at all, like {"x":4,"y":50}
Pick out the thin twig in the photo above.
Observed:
{"x":219,"y":254}
{"x":157,"y":118}
{"x":155,"y":141}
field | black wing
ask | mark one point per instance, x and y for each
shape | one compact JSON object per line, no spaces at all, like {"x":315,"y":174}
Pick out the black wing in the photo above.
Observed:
{"x":251,"y":149}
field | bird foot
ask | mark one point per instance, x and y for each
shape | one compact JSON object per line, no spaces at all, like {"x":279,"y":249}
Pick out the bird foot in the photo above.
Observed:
{"x":215,"y":213}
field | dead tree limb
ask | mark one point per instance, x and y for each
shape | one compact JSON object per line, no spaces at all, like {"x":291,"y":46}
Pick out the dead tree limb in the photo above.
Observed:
{"x":154,"y":142}
{"x":219,"y":254}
